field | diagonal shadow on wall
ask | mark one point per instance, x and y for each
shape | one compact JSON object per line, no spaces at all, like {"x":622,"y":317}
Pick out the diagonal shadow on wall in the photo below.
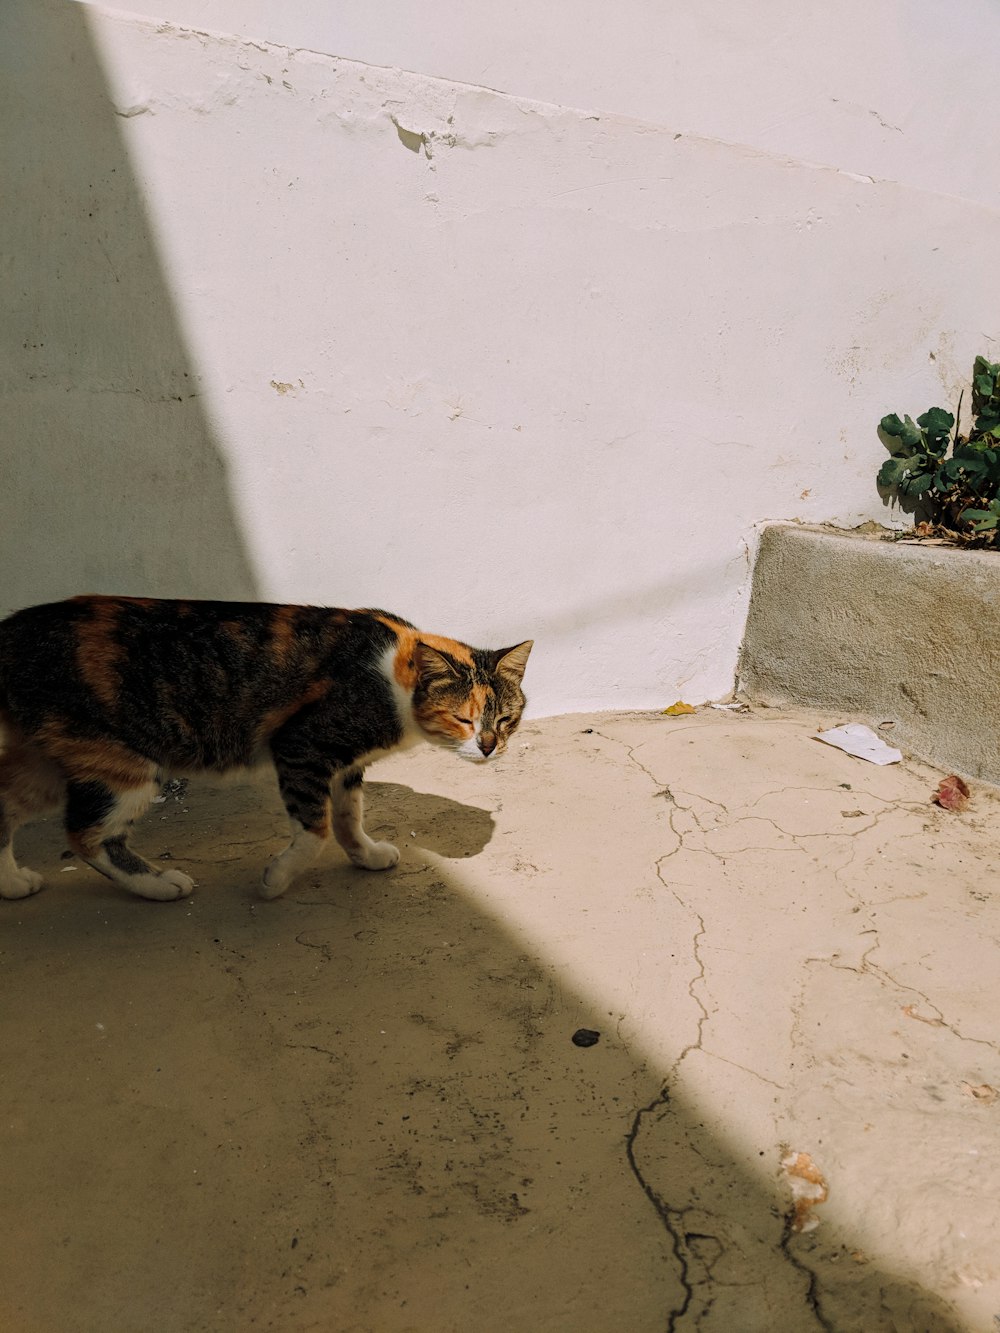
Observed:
{"x":110,"y":478}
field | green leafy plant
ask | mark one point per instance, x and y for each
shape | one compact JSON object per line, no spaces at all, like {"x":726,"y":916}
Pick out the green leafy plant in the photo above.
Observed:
{"x":957,"y":491}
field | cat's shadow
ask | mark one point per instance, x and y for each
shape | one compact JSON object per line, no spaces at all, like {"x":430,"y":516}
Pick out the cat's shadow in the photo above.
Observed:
{"x":437,"y":823}
{"x":184,"y":828}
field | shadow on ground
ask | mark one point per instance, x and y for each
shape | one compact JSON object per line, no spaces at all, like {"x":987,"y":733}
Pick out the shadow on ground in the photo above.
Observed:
{"x":112,"y":479}
{"x":358,"y":1108}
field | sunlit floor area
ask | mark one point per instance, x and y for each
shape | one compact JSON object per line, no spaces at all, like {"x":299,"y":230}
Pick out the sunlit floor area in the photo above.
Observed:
{"x":361,"y":1108}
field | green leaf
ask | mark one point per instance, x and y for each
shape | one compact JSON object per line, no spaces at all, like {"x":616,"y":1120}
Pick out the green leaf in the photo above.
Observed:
{"x":991,"y":512}
{"x":936,"y":420}
{"x":890,"y":472}
{"x":906,"y":431}
{"x":936,"y":425}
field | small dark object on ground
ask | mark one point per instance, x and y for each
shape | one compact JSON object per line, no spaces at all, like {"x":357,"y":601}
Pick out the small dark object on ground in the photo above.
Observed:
{"x":585,"y":1037}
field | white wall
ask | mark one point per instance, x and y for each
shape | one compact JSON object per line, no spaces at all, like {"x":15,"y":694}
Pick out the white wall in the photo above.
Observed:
{"x":538,"y":362}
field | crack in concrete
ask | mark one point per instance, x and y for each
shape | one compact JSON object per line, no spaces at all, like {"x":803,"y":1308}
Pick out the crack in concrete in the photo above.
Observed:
{"x":884,"y":977}
{"x":849,"y":833}
{"x":812,"y":1278}
{"x":850,"y":793}
{"x":670,"y":1217}
{"x":699,"y":975}
{"x":302,"y":1046}
{"x":323,"y":947}
{"x":630,"y":751}
{"x":734,"y":1064}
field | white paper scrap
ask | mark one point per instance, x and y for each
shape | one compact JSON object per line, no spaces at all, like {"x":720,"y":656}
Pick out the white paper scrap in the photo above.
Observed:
{"x":861,"y":742}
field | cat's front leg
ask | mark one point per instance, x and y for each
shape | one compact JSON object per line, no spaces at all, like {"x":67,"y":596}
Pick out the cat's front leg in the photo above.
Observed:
{"x":348,"y":824}
{"x":16,"y":881}
{"x":302,"y":852}
{"x":305,"y":789}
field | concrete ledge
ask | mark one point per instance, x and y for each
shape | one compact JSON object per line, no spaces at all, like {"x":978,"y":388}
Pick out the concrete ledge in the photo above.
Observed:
{"x":883,"y":632}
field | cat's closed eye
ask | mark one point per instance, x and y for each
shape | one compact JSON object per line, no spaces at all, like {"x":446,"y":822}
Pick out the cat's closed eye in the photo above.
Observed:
{"x":465,"y":721}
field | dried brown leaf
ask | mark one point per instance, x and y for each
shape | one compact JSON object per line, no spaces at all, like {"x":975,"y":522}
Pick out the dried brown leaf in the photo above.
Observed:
{"x":952,"y":794}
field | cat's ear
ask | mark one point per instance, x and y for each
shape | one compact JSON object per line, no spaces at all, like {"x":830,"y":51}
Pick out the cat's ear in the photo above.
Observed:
{"x":512,"y":661}
{"x":432,"y":664}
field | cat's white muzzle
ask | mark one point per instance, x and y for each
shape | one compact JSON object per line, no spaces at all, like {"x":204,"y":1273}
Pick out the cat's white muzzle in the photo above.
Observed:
{"x":470,"y":750}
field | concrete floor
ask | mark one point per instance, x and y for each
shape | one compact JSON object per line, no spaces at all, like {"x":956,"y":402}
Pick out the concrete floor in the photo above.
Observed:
{"x":359,"y":1109}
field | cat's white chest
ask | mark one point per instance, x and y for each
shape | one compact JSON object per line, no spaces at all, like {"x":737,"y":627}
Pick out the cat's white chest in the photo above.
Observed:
{"x":402,"y":699}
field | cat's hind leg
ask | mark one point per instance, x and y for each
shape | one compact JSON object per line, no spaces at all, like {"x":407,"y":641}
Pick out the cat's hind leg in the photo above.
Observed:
{"x":98,"y":816}
{"x":30,"y":785}
{"x":348,"y":797}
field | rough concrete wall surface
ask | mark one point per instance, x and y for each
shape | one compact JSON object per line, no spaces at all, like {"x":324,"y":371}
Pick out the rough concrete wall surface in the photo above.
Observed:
{"x":904,"y":634}
{"x":506,"y":366}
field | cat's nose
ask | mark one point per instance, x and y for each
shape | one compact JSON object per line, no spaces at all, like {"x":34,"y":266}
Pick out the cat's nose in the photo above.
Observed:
{"x":487,"y":742}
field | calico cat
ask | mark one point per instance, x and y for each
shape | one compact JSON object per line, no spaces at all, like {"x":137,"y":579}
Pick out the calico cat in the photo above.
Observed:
{"x":101,"y":696}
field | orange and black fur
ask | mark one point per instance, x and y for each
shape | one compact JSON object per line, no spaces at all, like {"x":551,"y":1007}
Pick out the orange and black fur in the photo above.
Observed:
{"x":101,"y":697}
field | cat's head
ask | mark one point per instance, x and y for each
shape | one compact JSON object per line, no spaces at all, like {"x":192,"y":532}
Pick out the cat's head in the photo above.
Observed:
{"x":472,"y":706}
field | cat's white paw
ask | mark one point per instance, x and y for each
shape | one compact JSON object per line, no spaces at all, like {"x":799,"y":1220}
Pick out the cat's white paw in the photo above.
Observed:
{"x":276,"y":880}
{"x":376,"y":856}
{"x":20,"y":883}
{"x":166,"y":887}
{"x":302,"y":852}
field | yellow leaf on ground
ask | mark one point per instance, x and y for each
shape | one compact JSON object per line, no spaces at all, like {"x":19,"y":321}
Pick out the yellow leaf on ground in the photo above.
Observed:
{"x":678,"y":709}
